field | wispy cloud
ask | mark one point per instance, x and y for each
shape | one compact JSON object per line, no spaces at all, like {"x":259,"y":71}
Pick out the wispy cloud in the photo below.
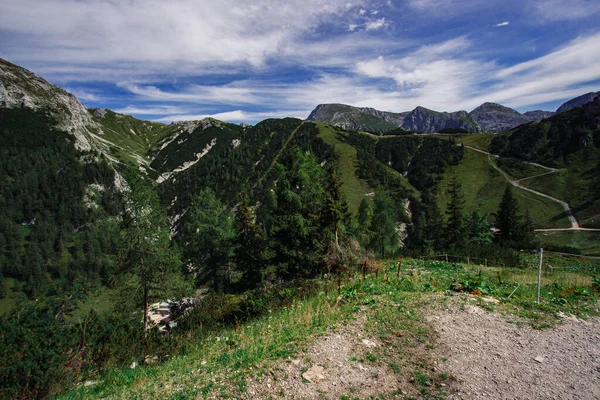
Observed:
{"x":374,"y":25}
{"x":505,"y":23}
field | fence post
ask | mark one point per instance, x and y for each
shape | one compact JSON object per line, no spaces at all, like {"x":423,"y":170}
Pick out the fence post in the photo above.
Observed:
{"x":446,"y":257}
{"x":540,"y":276}
{"x":468,"y":260}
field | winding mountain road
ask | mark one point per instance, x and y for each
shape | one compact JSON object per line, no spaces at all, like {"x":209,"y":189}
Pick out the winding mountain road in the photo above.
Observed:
{"x":574,"y":224}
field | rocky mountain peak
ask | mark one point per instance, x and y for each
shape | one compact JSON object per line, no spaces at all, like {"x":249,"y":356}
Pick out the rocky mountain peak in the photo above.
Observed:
{"x":22,"y":88}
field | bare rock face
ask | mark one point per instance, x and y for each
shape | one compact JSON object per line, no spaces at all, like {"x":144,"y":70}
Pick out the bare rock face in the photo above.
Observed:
{"x":22,"y":88}
{"x":357,"y":118}
{"x":492,"y":117}
{"x":424,"y":120}
{"x":577,"y":102}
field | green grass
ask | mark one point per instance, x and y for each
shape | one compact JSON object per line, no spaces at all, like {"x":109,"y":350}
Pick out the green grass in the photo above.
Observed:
{"x":480,"y":141}
{"x":520,"y":170}
{"x":221,"y":363}
{"x":587,"y":242}
{"x":483,"y":187}
{"x":354,"y":188}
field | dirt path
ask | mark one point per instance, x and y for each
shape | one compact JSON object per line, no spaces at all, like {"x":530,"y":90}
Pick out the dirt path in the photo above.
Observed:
{"x":493,"y":358}
{"x":333,"y":367}
{"x":574,"y":224}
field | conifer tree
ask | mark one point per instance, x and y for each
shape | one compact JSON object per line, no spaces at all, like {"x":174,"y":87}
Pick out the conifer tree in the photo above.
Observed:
{"x":455,"y":232}
{"x":365,"y":216}
{"x":527,"y":232}
{"x":478,"y":227}
{"x":507,"y":219}
{"x":434,"y":227}
{"x":149,"y":267}
{"x":210,"y":236}
{"x":250,"y":244}
{"x":384,"y":223}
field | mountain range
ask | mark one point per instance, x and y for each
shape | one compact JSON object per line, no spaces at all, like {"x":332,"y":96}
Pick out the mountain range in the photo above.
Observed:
{"x":183,"y":157}
{"x":488,"y":117}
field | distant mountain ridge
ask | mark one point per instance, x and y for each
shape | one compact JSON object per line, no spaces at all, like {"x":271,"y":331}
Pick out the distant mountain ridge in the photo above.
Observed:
{"x":577,"y":102}
{"x":357,"y":118}
{"x":488,"y":117}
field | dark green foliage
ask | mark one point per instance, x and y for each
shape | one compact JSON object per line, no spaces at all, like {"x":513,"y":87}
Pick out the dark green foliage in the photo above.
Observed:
{"x":550,"y":141}
{"x":478,"y":228}
{"x":384,"y":224}
{"x":250,"y":245}
{"x":149,"y":267}
{"x":455,"y":229}
{"x":50,"y":213}
{"x":434,"y":225}
{"x":208,"y":237}
{"x":507,"y":219}
{"x":297,"y":231}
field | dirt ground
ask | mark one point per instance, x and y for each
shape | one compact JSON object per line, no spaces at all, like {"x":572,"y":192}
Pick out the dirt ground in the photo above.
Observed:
{"x":487,"y":354}
{"x":341,"y":373}
{"x":496,"y":359}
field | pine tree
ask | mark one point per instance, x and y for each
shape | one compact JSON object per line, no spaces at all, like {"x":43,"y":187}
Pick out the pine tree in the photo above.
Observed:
{"x":507,"y":219}
{"x":250,"y":244}
{"x":365,"y":217}
{"x":479,"y":228}
{"x":149,"y":267}
{"x":210,"y":236}
{"x":434,"y":226}
{"x":455,"y":232}
{"x":384,"y":223}
{"x":527,"y":232}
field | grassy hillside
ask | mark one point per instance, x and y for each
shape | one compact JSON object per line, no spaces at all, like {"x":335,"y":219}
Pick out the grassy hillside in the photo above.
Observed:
{"x":354,"y":187}
{"x":483,"y":187}
{"x":131,"y":139}
{"x":586,"y":241}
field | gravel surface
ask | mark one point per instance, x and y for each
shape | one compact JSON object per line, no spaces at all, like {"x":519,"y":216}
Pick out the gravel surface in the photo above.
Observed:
{"x":333,"y":364}
{"x":493,"y":358}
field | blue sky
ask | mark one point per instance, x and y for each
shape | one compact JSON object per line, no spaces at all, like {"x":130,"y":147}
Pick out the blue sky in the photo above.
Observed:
{"x":244,"y":61}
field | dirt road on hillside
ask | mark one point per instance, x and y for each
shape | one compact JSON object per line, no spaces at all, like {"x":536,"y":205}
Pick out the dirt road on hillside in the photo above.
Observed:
{"x":569,"y":213}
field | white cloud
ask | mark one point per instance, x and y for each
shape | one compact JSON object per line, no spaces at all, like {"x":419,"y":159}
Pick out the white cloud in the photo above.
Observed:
{"x":374,"y":25}
{"x":374,"y":12}
{"x":171,"y":36}
{"x":236,"y":116}
{"x":362,"y":11}
{"x":161,"y":110}
{"x":560,"y":10}
{"x":505,"y":23}
{"x":352,"y":27}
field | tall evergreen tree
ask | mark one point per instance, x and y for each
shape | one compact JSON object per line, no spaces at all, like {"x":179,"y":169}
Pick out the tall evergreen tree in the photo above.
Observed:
{"x":250,"y":244}
{"x":365,"y":216}
{"x":434,"y":226}
{"x":527,"y":232}
{"x":507,"y":219}
{"x":149,"y":267}
{"x":210,"y":236}
{"x":455,"y":231}
{"x":384,"y":223}
{"x":479,"y":229}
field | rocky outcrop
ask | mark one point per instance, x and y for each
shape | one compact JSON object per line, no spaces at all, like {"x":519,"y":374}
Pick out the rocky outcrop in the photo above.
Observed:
{"x":538,"y":115}
{"x":492,"y":117}
{"x":424,"y":120}
{"x":577,"y":102}
{"x":22,"y":88}
{"x":357,"y":118}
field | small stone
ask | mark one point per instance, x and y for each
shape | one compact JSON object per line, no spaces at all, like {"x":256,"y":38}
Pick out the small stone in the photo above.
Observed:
{"x":296,"y":362}
{"x":540,"y":359}
{"x":133,"y":365}
{"x":369,"y":343}
{"x":314,"y":374}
